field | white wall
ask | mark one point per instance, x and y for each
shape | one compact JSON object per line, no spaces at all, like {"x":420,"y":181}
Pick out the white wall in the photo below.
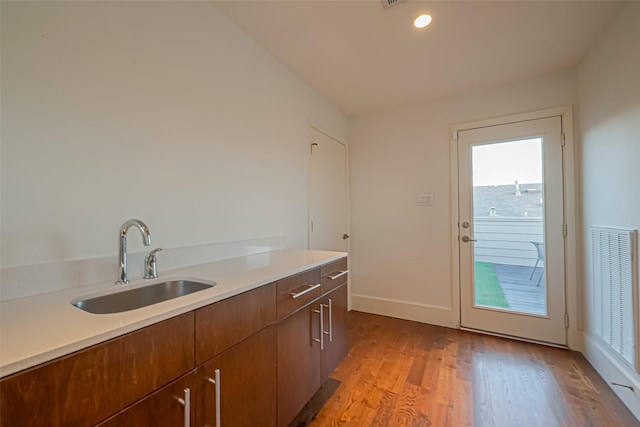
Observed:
{"x":401,"y":253}
{"x":609,"y":105}
{"x":162,"y":111}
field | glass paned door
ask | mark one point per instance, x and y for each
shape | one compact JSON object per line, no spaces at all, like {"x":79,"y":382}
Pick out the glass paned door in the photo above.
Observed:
{"x":511,"y":219}
{"x":508,"y":224}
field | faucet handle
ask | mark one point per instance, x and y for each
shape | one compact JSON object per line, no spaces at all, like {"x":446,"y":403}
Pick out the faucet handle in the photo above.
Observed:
{"x":153,"y":253}
{"x":150,"y":265}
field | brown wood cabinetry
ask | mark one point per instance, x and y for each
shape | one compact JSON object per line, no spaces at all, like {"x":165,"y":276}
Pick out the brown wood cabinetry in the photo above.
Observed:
{"x":295,"y":292}
{"x":227,"y":322}
{"x":242,"y":383}
{"x":335,"y":346}
{"x":86,"y":387}
{"x":311,"y":343}
{"x":298,"y":361}
{"x":173,"y":405}
{"x":333,"y":275}
{"x":258,"y":356}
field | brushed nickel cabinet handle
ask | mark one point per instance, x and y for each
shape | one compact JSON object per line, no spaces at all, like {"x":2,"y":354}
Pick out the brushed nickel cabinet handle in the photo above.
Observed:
{"x":322,"y":307}
{"x":321,"y":339}
{"x":309,"y":289}
{"x":330,"y":320}
{"x":186,"y":402}
{"x":216,"y":382}
{"x":340,"y":274}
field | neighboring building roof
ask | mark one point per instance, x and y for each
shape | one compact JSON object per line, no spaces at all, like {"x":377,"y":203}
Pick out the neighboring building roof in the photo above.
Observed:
{"x":502,"y":201}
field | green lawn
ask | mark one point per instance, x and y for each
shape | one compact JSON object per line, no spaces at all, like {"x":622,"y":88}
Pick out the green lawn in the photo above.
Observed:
{"x":488,"y":290}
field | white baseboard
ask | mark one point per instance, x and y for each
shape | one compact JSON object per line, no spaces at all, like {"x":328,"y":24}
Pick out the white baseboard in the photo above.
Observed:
{"x":611,"y":369}
{"x":434,"y":315}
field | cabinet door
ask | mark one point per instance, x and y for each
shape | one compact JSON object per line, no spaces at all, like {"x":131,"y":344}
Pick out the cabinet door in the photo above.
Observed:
{"x":90,"y":385}
{"x":242,"y":383}
{"x":298,"y":361}
{"x":335,"y":330}
{"x":173,"y":405}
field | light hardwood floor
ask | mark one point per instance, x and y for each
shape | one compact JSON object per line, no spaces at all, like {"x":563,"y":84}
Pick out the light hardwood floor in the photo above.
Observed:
{"x":401,"y":373}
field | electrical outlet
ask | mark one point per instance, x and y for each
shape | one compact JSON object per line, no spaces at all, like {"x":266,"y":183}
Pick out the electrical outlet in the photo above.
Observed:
{"x":424,"y":199}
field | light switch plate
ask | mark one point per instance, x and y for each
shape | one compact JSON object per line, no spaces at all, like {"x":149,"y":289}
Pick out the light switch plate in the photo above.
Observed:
{"x":424,"y":199}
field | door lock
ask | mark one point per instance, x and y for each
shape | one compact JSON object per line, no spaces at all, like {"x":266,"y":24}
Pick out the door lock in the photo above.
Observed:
{"x":465,"y":224}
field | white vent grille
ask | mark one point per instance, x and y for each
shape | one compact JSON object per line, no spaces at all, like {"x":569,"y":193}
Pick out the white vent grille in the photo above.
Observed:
{"x":388,"y":3}
{"x":615,"y":290}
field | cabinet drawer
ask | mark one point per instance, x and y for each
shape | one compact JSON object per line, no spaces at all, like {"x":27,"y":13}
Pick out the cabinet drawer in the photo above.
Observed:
{"x":333,"y":274}
{"x":225,"y":323}
{"x":162,"y":408}
{"x":295,"y":292}
{"x":90,"y":385}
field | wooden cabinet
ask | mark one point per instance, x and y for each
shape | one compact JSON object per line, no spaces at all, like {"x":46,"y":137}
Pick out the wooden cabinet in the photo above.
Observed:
{"x":235,"y":340}
{"x":90,"y":385}
{"x":334,"y":288}
{"x":333,"y":275}
{"x":335,"y":346}
{"x":311,"y":342}
{"x":295,"y":292}
{"x":298,"y":362}
{"x":227,"y":322}
{"x":241,"y":382}
{"x":173,"y":405}
{"x":254,"y":359}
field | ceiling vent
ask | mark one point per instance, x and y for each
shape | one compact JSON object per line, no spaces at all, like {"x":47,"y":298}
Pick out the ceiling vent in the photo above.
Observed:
{"x":388,"y":3}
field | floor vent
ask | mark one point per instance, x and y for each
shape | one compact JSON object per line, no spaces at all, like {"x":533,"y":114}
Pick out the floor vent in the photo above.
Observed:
{"x":615,"y":290}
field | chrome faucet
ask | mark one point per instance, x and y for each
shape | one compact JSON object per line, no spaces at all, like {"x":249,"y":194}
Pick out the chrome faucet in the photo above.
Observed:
{"x":146,"y":239}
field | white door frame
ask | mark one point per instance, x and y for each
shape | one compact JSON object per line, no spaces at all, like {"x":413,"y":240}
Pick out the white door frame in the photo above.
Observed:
{"x":309,"y":154}
{"x":573,"y":293}
{"x":310,"y":128}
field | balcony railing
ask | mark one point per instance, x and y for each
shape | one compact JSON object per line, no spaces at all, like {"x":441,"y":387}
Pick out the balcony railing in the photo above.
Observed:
{"x":505,"y":240}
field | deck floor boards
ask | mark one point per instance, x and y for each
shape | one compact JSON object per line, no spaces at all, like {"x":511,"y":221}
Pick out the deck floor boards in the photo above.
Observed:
{"x":522,"y":294}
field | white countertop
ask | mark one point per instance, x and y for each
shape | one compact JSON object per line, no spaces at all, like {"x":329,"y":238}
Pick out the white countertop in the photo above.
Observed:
{"x":41,"y":328}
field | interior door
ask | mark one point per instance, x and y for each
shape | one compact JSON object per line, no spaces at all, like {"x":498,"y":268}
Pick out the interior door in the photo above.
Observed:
{"x":327,"y":193}
{"x":511,"y":230}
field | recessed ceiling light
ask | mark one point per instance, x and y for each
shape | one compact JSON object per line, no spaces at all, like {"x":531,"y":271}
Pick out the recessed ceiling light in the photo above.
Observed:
{"x":422,"y":21}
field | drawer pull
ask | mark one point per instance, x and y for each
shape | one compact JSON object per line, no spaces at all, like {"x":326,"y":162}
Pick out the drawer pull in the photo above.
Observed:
{"x":309,"y":289}
{"x":186,"y":402}
{"x":340,"y":274}
{"x":216,"y":382}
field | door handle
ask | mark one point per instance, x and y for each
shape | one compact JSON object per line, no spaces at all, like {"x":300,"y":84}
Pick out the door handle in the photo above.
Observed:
{"x":467,"y":239}
{"x":345,"y":236}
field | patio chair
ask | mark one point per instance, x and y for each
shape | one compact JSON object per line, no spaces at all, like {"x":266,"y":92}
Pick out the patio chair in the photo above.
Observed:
{"x":540,"y":249}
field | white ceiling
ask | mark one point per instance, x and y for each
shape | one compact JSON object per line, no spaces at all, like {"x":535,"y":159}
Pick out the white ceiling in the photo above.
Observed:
{"x":363,"y":58}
